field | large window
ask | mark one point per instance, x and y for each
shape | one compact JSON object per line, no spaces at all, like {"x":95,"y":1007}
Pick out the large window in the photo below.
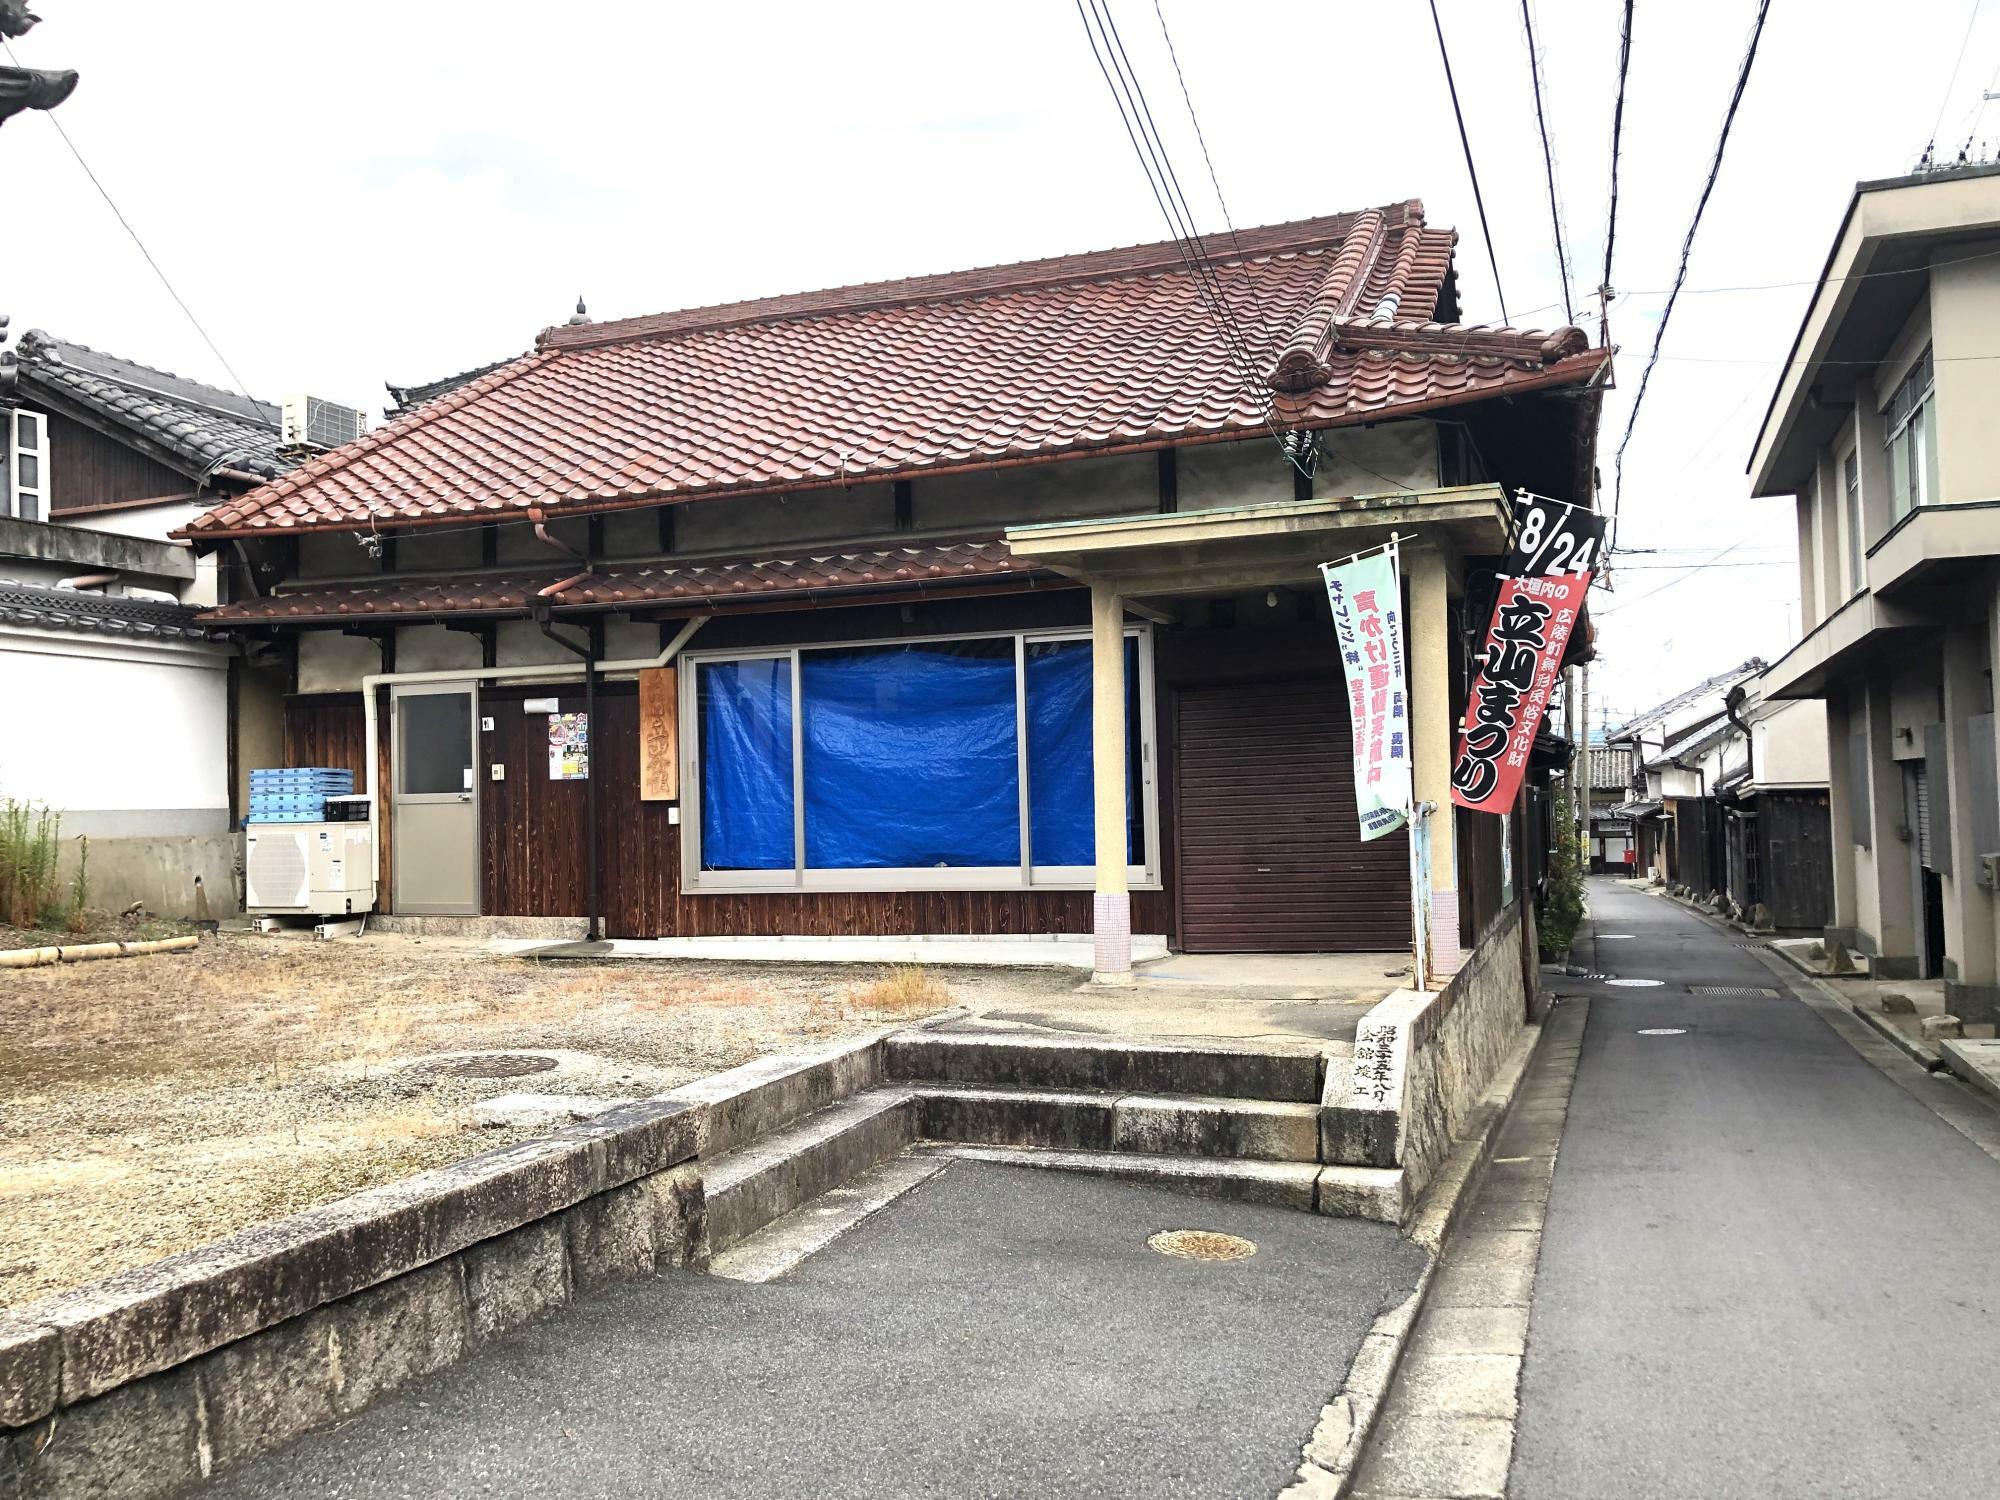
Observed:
{"x":940,"y":764}
{"x":1911,"y":423}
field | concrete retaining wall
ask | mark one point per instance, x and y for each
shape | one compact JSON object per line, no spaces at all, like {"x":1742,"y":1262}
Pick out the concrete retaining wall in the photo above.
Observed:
{"x":1422,"y":1061}
{"x":146,"y":1381}
{"x":159,"y":870}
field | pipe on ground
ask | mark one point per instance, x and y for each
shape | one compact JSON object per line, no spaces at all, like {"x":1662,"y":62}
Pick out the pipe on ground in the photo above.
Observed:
{"x":34,"y":958}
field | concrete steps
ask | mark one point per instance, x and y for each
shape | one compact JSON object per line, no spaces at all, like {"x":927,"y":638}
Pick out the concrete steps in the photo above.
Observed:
{"x":1104,"y":1120}
{"x":1283,"y":1184}
{"x":1230,"y":1070}
{"x":782,"y":1169}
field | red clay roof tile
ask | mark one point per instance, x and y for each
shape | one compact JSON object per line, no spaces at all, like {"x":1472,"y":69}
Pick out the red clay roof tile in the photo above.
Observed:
{"x":1110,"y":351}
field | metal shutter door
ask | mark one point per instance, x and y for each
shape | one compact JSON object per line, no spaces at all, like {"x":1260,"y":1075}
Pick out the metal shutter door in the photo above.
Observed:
{"x":1270,"y":858}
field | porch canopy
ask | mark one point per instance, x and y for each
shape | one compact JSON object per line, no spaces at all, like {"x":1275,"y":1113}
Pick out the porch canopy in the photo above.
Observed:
{"x":1148,"y":563}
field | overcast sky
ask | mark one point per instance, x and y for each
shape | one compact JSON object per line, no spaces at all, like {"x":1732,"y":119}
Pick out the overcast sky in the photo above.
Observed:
{"x":351,"y":194}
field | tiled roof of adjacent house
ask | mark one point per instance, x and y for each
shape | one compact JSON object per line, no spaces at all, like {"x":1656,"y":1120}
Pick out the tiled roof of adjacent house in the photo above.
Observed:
{"x":1719,"y":683}
{"x":404,"y":399}
{"x":199,"y":428}
{"x":1332,"y":321}
{"x":922,"y":567}
{"x":103,"y":614}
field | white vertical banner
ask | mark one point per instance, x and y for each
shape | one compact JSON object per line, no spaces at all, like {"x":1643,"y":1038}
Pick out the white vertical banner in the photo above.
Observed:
{"x":1367,"y":599}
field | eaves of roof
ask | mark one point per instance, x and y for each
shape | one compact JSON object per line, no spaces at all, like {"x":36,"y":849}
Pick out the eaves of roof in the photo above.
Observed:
{"x":38,"y":608}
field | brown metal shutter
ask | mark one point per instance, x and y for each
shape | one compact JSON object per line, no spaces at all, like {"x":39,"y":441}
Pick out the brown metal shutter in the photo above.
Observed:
{"x":1270,"y":858}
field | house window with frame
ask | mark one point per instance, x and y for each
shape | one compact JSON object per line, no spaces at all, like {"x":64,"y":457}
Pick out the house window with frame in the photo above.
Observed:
{"x":946,"y":764}
{"x":1911,"y":423}
{"x":24,"y":465}
{"x":1850,"y":485}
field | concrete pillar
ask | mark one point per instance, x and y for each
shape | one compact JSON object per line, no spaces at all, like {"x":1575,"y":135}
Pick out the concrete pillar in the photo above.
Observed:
{"x":1888,"y":916}
{"x":1111,"y":908}
{"x":1840,"y":711}
{"x":1971,"y":985}
{"x":1433,"y":740}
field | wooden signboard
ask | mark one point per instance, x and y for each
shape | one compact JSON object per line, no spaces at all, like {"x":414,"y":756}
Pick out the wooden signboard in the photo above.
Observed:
{"x":659,"y":736}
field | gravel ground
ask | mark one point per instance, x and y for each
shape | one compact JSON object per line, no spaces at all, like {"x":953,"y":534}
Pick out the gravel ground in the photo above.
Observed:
{"x":148,"y":1105}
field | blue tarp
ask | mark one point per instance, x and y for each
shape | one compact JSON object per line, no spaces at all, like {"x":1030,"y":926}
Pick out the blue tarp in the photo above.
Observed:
{"x":1061,"y":817}
{"x":746,"y":764}
{"x":910,"y":757}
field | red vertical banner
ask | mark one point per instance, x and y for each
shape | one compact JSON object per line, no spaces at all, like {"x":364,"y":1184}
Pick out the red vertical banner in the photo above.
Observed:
{"x":1552,"y":561}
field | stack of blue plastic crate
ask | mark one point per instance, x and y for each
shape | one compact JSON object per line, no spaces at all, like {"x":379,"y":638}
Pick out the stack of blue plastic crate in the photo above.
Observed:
{"x":296,"y":794}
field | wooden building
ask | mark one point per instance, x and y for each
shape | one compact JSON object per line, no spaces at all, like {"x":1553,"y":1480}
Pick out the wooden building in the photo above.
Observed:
{"x":983,"y":603}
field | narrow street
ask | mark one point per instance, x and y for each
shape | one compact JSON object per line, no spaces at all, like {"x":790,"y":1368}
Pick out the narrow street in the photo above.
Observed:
{"x":1768,"y":1267}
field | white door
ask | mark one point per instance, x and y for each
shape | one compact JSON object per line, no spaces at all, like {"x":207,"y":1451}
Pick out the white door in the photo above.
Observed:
{"x":434,"y":836}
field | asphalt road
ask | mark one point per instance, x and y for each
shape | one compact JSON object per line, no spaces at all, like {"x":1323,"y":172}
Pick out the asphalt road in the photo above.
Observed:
{"x":995,"y":1332}
{"x":1767,"y":1270}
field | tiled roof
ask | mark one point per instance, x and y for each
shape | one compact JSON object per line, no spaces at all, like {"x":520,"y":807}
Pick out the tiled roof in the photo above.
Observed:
{"x":1719,"y":683}
{"x":920,"y":567}
{"x":202,"y":427}
{"x":1110,"y":351}
{"x":103,"y":614}
{"x":407,"y":398}
{"x":1610,"y":766}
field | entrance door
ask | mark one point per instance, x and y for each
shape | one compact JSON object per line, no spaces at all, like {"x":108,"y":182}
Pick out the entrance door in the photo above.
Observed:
{"x":435,"y":849}
{"x":1269,"y":851}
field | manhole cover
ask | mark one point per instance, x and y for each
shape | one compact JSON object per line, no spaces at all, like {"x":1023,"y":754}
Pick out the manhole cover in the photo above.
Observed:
{"x":1733,"y":991}
{"x":1202,"y":1244}
{"x":1637,"y":984}
{"x":495,"y":1065}
{"x":1664,"y":1031}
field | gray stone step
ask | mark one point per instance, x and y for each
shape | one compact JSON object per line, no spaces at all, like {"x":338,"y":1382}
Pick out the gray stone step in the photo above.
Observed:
{"x":1240,"y":1070}
{"x":1283,"y":1184}
{"x":1101,"y":1120}
{"x":749,"y":1187}
{"x":783,"y":1243}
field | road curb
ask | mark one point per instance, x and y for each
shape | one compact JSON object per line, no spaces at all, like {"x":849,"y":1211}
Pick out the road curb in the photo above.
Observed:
{"x":1881,"y":1023}
{"x":1346,"y":1422}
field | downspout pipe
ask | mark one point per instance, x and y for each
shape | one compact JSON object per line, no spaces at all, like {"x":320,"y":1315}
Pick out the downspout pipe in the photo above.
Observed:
{"x":1732,"y":708}
{"x":588,"y":651}
{"x":372,"y":718}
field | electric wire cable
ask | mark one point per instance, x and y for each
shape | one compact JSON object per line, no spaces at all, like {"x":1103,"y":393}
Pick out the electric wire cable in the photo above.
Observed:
{"x":119,"y":214}
{"x":1465,"y":141}
{"x":1604,"y":291}
{"x":1548,"y":162}
{"x":1687,"y":251}
{"x":1924,"y":162}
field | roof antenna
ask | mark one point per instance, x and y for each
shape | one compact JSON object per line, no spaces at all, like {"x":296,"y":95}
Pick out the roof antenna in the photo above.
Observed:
{"x":579,"y":317}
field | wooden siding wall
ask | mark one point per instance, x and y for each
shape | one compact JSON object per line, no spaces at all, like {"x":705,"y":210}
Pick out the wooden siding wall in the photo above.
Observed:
{"x":1795,"y":833}
{"x":88,"y":468}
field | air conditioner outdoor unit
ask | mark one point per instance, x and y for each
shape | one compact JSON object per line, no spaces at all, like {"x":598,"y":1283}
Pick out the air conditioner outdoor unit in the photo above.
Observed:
{"x":310,"y":422}
{"x":309,"y":869}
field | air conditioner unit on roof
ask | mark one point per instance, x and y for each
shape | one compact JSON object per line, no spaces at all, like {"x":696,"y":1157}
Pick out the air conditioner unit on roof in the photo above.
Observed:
{"x":310,"y":422}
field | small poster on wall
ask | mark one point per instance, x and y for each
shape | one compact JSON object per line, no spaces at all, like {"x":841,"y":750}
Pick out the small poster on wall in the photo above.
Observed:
{"x":569,"y":747}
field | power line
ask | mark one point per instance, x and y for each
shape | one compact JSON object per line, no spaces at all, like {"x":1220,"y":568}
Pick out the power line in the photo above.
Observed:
{"x":1471,"y":171}
{"x":1229,"y":223}
{"x":1548,"y":161}
{"x":118,"y":213}
{"x":1950,"y":83}
{"x":1687,"y":250}
{"x":1128,"y":97}
{"x":1604,"y":292}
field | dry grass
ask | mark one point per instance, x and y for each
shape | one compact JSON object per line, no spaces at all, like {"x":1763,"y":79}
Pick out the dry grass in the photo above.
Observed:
{"x":907,"y":990}
{"x":151,"y":1104}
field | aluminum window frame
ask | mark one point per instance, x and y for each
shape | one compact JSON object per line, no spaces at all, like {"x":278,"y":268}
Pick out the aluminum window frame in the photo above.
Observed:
{"x":1910,"y":422}
{"x":1025,"y":876}
{"x":10,"y":501}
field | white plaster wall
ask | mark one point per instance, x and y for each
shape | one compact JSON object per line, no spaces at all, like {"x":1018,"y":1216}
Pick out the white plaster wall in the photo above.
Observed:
{"x":1965,"y":308}
{"x":453,"y":545}
{"x":330,"y":662}
{"x":521,"y":644}
{"x":1791,"y":743}
{"x":432,"y":648}
{"x":1121,"y":485}
{"x":759,"y":521}
{"x":1377,"y":460}
{"x":96,"y":727}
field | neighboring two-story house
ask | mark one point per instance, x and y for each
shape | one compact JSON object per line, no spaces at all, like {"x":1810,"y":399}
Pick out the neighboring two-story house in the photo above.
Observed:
{"x":976,"y":604}
{"x":121,"y":703}
{"x":1882,"y":427}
